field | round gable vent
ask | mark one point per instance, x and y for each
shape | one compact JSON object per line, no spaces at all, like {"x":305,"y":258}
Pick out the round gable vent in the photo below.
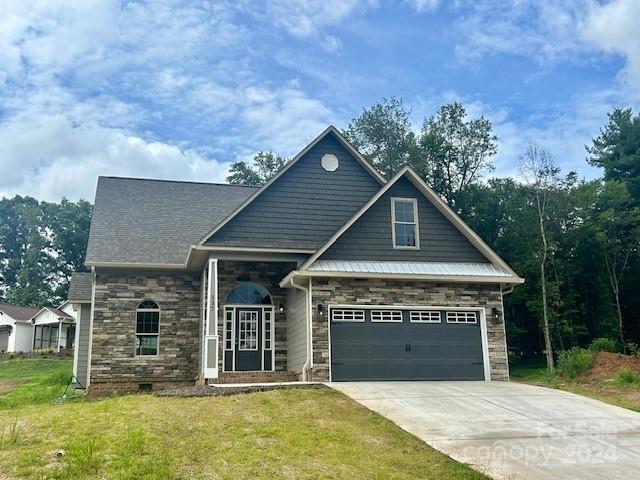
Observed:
{"x":330,"y":162}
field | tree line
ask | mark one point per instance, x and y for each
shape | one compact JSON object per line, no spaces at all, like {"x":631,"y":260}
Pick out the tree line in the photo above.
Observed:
{"x":575,"y":241}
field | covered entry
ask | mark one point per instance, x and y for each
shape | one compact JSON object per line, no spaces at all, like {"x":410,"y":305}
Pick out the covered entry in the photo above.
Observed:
{"x":248,"y":329}
{"x":406,"y":343}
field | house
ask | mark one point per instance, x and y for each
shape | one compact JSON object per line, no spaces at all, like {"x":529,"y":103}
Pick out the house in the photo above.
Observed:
{"x":54,"y":328}
{"x":328,"y":272}
{"x":16,"y":331}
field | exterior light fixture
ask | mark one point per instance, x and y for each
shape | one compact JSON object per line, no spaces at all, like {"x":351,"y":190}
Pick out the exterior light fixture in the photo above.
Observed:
{"x":320,"y":309}
{"x":281,"y":308}
{"x":497,"y":317}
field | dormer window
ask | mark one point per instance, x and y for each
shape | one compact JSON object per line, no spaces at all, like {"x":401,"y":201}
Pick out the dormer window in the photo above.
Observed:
{"x":404,"y":223}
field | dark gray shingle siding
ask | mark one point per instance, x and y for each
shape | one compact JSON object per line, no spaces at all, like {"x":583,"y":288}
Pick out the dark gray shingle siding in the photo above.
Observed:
{"x":305,"y":206}
{"x":369,"y":238}
{"x":154,"y":221}
{"x":80,"y":287}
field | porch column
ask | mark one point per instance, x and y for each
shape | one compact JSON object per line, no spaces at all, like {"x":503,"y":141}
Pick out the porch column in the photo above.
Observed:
{"x":59,"y":334}
{"x":210,"y":350}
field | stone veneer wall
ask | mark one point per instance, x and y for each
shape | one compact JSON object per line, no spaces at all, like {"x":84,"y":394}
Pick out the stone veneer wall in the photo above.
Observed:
{"x":358,"y":291}
{"x":267,"y":274}
{"x":114,"y":365}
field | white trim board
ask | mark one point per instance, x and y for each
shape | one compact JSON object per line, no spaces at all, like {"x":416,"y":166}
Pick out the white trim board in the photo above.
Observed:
{"x":440,"y":205}
{"x":329,"y":130}
{"x":481,"y":313}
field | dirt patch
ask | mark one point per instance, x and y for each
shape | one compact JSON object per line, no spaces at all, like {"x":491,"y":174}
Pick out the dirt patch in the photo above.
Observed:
{"x":607,"y":365}
{"x":7,"y":385}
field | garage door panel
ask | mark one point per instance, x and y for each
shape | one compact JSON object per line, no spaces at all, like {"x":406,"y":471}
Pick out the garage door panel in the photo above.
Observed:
{"x":406,"y":350}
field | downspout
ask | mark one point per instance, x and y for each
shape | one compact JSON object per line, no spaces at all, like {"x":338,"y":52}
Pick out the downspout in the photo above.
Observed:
{"x":307,"y":361}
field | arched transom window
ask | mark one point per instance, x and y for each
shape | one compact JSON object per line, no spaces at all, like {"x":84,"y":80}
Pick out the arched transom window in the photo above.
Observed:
{"x":249,"y":294}
{"x":147,"y":328}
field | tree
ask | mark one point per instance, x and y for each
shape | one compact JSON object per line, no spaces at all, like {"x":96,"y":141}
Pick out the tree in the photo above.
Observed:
{"x":617,"y":150}
{"x":41,"y":244}
{"x":455,"y":152}
{"x":383,"y":135}
{"x":263,"y":166}
{"x":540,"y":172}
{"x":616,"y":225}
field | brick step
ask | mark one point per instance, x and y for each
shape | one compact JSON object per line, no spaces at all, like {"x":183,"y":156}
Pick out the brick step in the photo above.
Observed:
{"x":256,"y":377}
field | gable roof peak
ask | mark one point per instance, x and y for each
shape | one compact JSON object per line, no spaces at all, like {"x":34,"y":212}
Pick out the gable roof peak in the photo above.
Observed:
{"x":408,"y":172}
{"x":331,"y":129}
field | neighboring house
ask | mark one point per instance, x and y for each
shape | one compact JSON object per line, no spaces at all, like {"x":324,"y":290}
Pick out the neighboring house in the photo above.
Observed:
{"x":16,"y":331}
{"x":54,"y":328}
{"x":326,"y":273}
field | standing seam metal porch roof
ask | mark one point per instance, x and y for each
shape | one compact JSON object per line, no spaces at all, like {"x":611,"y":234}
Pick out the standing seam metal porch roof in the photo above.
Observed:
{"x":155,"y":221}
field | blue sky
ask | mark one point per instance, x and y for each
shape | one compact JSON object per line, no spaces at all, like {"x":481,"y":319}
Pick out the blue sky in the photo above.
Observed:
{"x":179,"y":89}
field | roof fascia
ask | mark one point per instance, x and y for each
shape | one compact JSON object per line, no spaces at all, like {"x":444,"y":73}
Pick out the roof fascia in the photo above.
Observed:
{"x":511,"y":279}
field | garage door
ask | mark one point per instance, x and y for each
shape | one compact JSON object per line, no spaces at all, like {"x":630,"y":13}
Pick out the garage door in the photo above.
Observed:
{"x":405,"y":344}
{"x":5,"y":331}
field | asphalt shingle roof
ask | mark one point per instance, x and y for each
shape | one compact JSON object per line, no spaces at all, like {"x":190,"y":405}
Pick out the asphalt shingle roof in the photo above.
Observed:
{"x":16,"y":312}
{"x":156,"y":221}
{"x":80,"y":287}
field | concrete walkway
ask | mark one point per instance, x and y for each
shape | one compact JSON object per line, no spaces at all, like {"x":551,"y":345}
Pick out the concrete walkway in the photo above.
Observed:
{"x":511,"y":430}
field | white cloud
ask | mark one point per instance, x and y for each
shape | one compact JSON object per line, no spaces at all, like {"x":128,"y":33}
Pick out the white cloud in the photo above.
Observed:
{"x":305,"y":18}
{"x":331,"y":44}
{"x":424,"y":5}
{"x":54,"y":159}
{"x":544,"y":31}
{"x":614,"y":28}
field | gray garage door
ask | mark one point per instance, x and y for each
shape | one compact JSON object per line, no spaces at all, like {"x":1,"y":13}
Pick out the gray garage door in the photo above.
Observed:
{"x":405,"y":344}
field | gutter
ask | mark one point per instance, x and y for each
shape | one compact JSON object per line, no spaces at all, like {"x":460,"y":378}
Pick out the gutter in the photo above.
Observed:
{"x":307,"y":362}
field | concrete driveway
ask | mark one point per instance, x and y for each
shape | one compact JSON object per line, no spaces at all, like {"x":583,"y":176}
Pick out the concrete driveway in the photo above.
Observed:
{"x":511,"y":430}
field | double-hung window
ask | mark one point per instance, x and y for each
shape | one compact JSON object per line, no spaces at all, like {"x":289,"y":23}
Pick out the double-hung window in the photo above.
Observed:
{"x":404,"y":222}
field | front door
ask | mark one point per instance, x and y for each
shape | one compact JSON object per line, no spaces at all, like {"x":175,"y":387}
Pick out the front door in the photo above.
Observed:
{"x":248,"y":344}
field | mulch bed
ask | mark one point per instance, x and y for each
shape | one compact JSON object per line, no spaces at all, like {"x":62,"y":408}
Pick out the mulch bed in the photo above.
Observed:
{"x":210,"y":391}
{"x":606,"y":365}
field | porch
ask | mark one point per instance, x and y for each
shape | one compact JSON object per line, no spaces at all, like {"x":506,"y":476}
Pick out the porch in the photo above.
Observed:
{"x":255,"y":337}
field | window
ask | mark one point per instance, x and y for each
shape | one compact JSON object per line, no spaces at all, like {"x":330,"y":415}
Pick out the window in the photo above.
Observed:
{"x":147,"y":328}
{"x":404,"y":221}
{"x":425,"y":316}
{"x":462,"y":317}
{"x":386,"y":315}
{"x":249,"y":294}
{"x":248,"y":331}
{"x":340,"y":315}
{"x":228,"y":329}
{"x":267,"y":329}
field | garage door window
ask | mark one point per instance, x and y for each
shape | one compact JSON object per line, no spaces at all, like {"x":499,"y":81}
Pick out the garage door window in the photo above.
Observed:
{"x":386,"y":316}
{"x":462,"y":317}
{"x":341,"y":315}
{"x":425,"y":316}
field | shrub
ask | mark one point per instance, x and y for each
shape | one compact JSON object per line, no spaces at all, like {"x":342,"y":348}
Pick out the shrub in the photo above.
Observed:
{"x":626,"y":376}
{"x":603,"y":345}
{"x":573,"y":363}
{"x":633,"y":349}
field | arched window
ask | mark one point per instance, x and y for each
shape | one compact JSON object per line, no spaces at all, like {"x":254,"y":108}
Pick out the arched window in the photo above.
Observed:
{"x":249,"y":294}
{"x":147,"y":328}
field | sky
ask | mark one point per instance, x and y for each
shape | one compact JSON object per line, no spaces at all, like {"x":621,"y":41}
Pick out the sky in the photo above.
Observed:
{"x":181,"y":89}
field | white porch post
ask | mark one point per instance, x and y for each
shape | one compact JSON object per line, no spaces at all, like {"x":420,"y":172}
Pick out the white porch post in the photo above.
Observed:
{"x":210,"y":369}
{"x":59,"y":333}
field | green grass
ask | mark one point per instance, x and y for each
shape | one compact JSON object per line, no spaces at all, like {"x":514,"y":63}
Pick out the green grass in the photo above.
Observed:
{"x":293,"y":434}
{"x":28,"y":381}
{"x":531,"y":371}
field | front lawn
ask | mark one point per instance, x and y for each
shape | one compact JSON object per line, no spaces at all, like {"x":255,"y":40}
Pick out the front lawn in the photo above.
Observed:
{"x":292,"y":434}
